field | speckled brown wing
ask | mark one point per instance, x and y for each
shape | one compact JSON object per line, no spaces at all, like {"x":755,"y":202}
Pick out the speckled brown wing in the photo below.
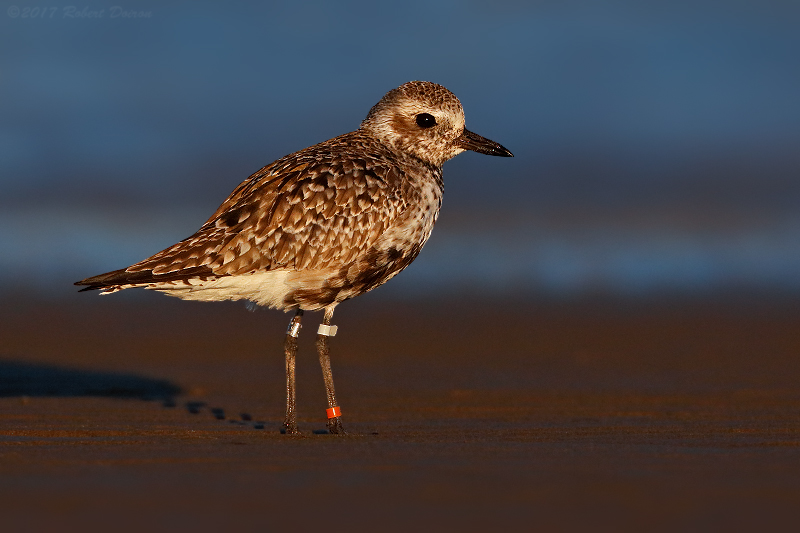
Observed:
{"x":310,"y":209}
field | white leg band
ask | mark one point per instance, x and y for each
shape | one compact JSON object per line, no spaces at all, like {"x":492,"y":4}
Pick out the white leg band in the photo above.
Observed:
{"x":294,"y":329}
{"x":329,"y":331}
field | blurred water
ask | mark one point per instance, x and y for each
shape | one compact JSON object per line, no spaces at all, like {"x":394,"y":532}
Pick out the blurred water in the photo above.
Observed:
{"x":50,"y":250}
{"x":656,"y":143}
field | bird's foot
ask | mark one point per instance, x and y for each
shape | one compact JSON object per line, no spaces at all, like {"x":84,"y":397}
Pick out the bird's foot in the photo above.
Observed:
{"x":290,"y":429}
{"x":335,"y":426}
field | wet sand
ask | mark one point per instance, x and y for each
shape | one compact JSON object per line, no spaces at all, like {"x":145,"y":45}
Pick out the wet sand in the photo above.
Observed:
{"x":132,"y":412}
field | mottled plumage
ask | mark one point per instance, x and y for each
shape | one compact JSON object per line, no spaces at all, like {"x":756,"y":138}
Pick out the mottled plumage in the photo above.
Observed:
{"x":324,"y":224}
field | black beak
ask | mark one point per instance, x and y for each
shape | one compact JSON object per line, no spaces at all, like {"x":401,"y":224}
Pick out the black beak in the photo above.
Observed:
{"x":476,"y":143}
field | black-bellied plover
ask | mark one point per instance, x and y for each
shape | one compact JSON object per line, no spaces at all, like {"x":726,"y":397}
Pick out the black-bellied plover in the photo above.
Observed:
{"x":321,"y":225}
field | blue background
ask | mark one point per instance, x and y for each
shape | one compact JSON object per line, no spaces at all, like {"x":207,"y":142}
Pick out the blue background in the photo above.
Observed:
{"x":657,"y":144}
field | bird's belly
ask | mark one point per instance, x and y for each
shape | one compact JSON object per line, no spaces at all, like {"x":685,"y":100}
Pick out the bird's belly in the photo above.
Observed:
{"x":391,"y":254}
{"x":266,"y":288}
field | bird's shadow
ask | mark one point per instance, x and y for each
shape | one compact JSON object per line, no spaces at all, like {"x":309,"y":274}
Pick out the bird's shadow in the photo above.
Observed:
{"x":30,"y":380}
{"x":23,"y":379}
{"x":41,"y":380}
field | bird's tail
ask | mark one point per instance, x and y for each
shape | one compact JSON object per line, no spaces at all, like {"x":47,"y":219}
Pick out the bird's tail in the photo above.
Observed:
{"x":123,"y":278}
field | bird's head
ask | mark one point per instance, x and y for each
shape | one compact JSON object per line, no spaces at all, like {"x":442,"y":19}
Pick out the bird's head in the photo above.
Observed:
{"x":427,"y":121}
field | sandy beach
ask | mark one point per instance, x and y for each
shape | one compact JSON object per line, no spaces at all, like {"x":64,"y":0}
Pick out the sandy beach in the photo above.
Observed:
{"x":141,"y":411}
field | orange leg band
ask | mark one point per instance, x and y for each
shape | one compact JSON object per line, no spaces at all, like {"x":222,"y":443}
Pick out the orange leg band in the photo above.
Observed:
{"x":333,"y":412}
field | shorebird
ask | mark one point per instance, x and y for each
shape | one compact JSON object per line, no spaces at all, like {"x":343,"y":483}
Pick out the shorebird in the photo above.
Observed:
{"x":321,"y":225}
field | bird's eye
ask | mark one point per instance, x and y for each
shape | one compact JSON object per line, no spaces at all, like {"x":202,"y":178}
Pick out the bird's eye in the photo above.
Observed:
{"x":425,"y":120}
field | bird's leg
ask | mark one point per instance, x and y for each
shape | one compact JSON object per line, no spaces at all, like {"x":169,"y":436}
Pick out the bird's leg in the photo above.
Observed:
{"x":290,"y":347}
{"x":334,"y":412}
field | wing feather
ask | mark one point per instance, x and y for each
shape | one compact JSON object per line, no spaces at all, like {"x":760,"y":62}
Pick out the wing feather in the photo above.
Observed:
{"x":309,"y":210}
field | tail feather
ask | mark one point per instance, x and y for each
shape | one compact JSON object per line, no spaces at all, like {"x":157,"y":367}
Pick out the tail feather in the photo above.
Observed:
{"x":118,"y":278}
